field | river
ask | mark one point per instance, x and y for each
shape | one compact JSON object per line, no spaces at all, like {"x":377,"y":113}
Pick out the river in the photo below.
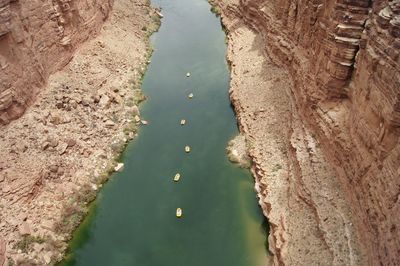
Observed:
{"x":133,"y":220}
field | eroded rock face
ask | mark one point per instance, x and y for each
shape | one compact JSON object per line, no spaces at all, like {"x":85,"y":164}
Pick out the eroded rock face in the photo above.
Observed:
{"x":343,"y":59}
{"x":38,"y":38}
{"x":56,"y":156}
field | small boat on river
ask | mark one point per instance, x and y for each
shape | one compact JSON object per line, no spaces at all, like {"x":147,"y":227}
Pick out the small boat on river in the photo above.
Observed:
{"x":187,"y":149}
{"x":183,"y":121}
{"x":177,"y":177}
{"x":188,"y":74}
{"x":190,"y":95}
{"x":179,"y":212}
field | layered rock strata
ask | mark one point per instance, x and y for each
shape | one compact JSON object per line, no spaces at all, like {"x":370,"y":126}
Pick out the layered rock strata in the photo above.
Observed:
{"x":342,"y":60}
{"x":38,"y":38}
{"x":55,"y":157}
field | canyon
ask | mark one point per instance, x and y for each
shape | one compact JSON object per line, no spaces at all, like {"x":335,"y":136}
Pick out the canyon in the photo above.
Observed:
{"x":316,"y":88}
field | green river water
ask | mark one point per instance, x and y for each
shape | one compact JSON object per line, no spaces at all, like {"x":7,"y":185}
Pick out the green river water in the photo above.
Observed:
{"x":133,"y":219}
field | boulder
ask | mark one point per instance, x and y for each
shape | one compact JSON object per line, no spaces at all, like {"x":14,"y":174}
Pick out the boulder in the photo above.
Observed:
{"x":52,"y":142}
{"x":86,"y":101}
{"x":53,"y":168}
{"x":135,"y":110}
{"x":119,"y":167}
{"x":25,"y":229}
{"x":62,"y":148}
{"x":137,"y":119}
{"x":71,"y":142}
{"x":96,"y":98}
{"x":47,"y":257}
{"x":109,"y":123}
{"x":104,"y":101}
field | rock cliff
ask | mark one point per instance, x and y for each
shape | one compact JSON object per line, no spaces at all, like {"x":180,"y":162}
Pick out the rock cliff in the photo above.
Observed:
{"x":54,"y":158}
{"x":342,"y":60}
{"x":38,"y":38}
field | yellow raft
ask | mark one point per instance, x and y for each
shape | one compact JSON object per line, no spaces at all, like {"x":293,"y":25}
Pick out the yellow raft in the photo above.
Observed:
{"x":179,"y":212}
{"x":177,"y":177}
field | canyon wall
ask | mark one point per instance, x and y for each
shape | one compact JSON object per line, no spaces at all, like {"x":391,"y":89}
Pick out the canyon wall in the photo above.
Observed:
{"x":38,"y":38}
{"x":55,"y":157}
{"x":343,"y":59}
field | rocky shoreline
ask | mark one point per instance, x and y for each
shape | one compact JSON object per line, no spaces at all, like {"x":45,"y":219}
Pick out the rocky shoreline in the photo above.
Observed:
{"x":338,"y":200}
{"x":237,"y":151}
{"x":310,"y":222}
{"x":60,"y":152}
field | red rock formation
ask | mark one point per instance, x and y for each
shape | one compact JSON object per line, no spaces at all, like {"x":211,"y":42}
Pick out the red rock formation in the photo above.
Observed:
{"x":343,"y":57}
{"x":81,"y":119}
{"x":38,"y":38}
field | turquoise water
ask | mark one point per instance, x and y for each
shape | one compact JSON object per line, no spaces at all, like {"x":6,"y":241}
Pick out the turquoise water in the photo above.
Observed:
{"x":133,"y":221}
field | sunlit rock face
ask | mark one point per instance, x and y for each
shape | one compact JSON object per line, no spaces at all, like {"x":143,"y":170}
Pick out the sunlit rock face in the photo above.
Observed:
{"x":37,"y":38}
{"x":343,"y":58}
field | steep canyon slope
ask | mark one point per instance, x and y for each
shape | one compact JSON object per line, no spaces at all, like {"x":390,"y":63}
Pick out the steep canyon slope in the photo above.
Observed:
{"x":73,"y":68}
{"x":326,"y":97}
{"x":38,"y":38}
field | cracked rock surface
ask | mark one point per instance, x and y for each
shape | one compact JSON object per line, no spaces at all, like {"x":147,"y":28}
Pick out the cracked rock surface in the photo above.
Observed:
{"x":316,"y":87}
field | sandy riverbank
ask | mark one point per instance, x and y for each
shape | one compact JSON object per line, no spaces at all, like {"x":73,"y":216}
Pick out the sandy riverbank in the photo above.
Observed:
{"x":55,"y":157}
{"x":309,"y":221}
